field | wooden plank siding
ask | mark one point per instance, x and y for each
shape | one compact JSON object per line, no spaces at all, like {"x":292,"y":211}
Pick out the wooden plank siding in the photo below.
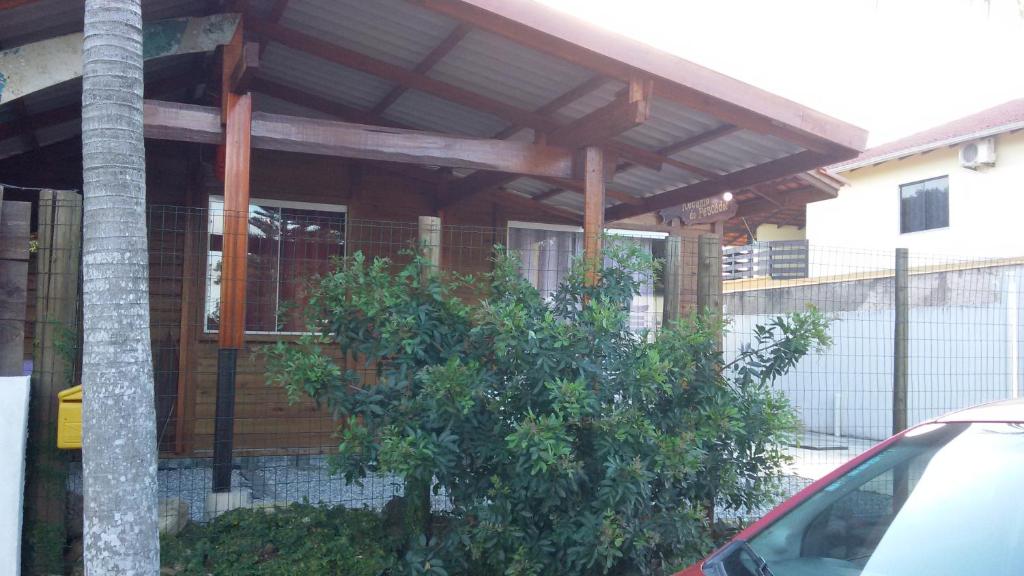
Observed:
{"x":383,"y":205}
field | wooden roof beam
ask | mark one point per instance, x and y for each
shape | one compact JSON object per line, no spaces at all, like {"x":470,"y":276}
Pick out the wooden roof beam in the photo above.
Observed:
{"x":245,"y":68}
{"x":624,"y":113}
{"x":621,"y":115}
{"x":170,"y":121}
{"x":581,"y":90}
{"x":577,"y":187}
{"x":786,"y":166}
{"x":424,"y":66}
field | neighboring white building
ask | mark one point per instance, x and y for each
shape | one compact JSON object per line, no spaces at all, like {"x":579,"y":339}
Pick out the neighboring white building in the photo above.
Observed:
{"x":956,"y":189}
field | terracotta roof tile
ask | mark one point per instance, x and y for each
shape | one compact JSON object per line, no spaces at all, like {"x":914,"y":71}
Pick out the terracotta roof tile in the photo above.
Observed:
{"x":1007,"y":114}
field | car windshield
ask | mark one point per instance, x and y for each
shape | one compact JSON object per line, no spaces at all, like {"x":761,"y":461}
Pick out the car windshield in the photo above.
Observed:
{"x":945,"y":499}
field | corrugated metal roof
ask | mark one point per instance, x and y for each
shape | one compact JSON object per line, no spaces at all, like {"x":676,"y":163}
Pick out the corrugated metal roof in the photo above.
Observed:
{"x":402,"y":33}
{"x":322,"y":78}
{"x":507,"y":72}
{"x":394,"y":31}
{"x":737,"y":151}
{"x":48,"y":18}
{"x":668,"y":124}
{"x":588,"y":102}
{"x":426,"y":112}
{"x":272,"y":105}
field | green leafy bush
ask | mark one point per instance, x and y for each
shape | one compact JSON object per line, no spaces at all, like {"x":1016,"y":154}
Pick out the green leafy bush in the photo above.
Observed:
{"x":299,"y":540}
{"x":566,"y":444}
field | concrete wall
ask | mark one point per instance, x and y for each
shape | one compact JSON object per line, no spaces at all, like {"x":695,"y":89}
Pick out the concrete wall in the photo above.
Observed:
{"x":984,"y":208}
{"x":771,"y":232}
{"x":13,"y":429}
{"x":966,"y":345}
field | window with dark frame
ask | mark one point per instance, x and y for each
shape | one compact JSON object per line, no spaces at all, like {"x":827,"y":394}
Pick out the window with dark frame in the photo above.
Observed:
{"x":924,"y":205}
{"x":289,"y":244}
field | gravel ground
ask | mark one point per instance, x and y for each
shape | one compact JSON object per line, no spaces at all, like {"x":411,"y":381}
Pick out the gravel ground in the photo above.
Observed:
{"x":273,"y":480}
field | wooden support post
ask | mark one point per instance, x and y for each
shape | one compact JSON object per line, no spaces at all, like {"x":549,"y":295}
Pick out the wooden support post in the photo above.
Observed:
{"x":184,"y":422}
{"x":430,"y":240}
{"x":673,"y":280}
{"x":14,"y":230}
{"x":593,"y":209}
{"x":54,"y":359}
{"x":709,"y":275}
{"x":231,"y":336}
{"x":900,"y":357}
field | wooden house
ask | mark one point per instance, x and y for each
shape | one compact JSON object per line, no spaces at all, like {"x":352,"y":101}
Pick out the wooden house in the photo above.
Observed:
{"x":338,"y":124}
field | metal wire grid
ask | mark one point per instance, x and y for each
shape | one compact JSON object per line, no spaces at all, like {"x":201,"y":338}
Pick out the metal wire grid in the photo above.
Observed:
{"x":964,"y":344}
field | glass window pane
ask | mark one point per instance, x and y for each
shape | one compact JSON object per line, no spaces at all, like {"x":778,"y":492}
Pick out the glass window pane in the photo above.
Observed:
{"x":287,"y":247}
{"x":924,"y":205}
{"x":261,"y":289}
{"x":215,"y":227}
{"x":310,"y":242}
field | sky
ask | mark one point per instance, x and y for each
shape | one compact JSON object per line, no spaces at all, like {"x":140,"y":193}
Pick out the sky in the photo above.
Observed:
{"x":893,"y":67}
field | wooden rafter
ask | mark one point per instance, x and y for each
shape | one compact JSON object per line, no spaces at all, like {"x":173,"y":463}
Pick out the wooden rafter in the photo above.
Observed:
{"x":318,"y":103}
{"x":424,"y":66}
{"x":702,"y":138}
{"x":581,"y":90}
{"x":577,"y":187}
{"x":530,"y":204}
{"x":628,"y":111}
{"x":404,"y":77}
{"x":786,"y":166}
{"x":608,"y":121}
{"x":277,"y":10}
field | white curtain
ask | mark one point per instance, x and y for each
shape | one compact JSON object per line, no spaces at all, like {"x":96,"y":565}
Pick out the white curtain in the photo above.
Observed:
{"x":546,"y":257}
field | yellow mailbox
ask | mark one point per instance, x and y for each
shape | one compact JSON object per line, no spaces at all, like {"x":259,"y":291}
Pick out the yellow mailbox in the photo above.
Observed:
{"x":69,"y":419}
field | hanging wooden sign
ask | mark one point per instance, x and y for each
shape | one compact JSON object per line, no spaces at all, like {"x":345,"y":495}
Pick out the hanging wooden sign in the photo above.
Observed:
{"x":703,"y":211}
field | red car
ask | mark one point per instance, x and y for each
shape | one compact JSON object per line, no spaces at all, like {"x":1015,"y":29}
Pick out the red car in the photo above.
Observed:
{"x":943,"y":498}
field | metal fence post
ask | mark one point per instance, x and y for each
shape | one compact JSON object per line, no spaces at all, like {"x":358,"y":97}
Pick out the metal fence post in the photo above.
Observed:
{"x":900,"y":352}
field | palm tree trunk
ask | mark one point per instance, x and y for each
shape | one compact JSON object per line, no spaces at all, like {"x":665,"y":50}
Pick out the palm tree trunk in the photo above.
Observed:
{"x":119,"y":424}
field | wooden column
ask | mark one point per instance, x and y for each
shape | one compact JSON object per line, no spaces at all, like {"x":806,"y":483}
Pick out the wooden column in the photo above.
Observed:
{"x":593,"y":209}
{"x":191,"y":273}
{"x":237,"y":110}
{"x":672,"y":307}
{"x":54,"y":359}
{"x":430,"y":239}
{"x":709,"y":274}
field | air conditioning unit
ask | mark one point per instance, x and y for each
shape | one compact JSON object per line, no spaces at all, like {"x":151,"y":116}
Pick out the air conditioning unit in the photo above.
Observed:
{"x":978,"y":153}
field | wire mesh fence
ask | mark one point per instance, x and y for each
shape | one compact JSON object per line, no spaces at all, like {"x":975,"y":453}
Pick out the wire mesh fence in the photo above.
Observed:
{"x":963,"y":340}
{"x":963,"y":344}
{"x":281,"y":450}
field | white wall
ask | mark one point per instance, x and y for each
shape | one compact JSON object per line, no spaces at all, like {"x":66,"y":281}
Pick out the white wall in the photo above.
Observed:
{"x":966,"y":346}
{"x":13,"y":428}
{"x":985,"y":207}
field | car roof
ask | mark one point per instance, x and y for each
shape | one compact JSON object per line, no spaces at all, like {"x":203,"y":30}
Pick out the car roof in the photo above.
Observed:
{"x":1002,"y":411}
